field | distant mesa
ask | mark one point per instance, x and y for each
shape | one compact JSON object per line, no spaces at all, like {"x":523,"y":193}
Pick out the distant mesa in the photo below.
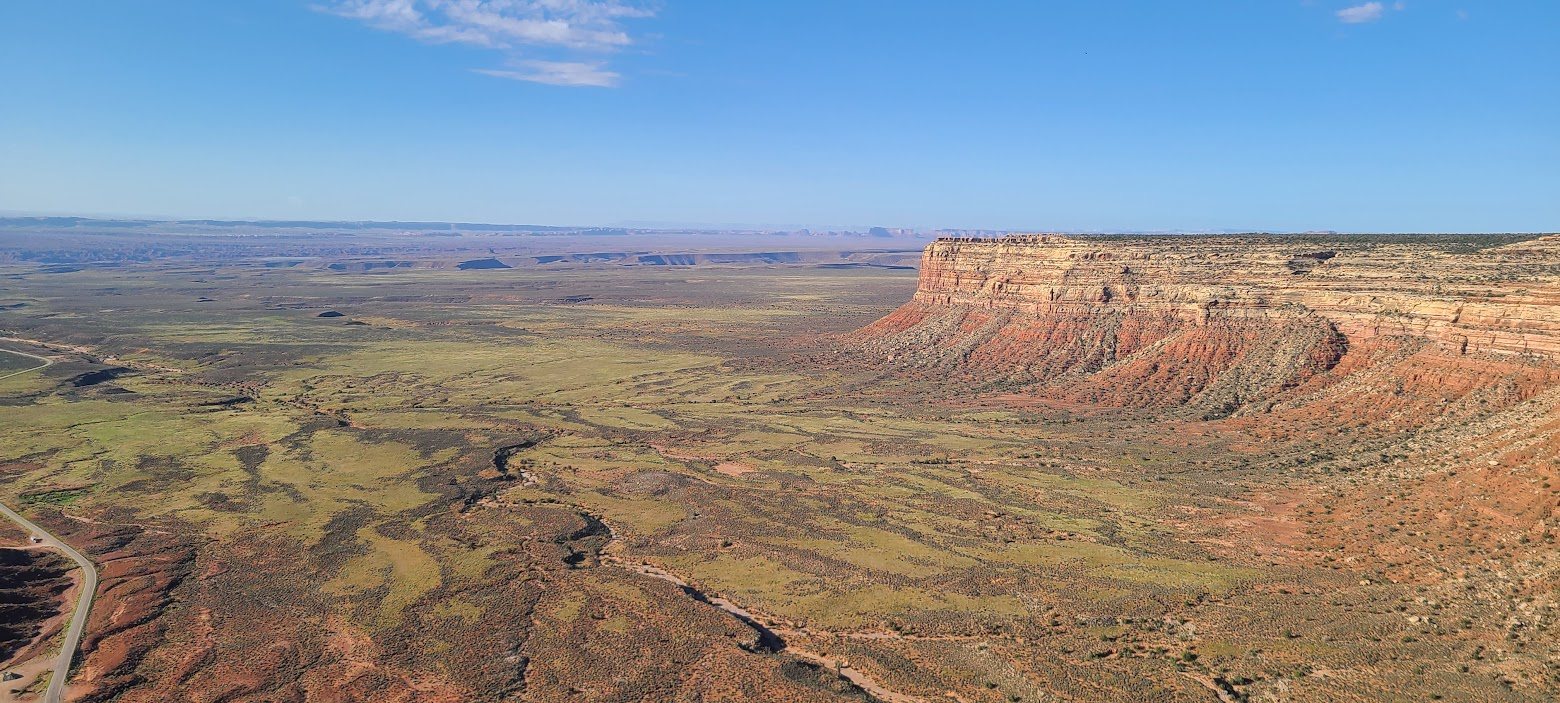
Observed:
{"x":371,"y":265}
{"x":866,"y":265}
{"x":643,"y":258}
{"x":330,"y":313}
{"x":478,"y":264}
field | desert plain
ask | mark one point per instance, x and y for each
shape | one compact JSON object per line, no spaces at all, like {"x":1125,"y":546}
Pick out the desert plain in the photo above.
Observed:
{"x":1250,"y":468}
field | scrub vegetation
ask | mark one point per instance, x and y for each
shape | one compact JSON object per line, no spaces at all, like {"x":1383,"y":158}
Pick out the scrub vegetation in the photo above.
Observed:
{"x":533,"y":484}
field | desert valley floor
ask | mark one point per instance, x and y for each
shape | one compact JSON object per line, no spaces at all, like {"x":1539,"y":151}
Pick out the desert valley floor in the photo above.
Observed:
{"x":749,"y":481}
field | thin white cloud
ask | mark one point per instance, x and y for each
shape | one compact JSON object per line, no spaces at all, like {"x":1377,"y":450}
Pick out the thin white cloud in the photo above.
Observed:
{"x":515,"y":27}
{"x":577,"y":73}
{"x":1368,"y":12}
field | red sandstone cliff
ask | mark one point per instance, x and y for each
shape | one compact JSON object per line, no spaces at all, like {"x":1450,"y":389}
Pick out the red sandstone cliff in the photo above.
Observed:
{"x":1221,"y":322}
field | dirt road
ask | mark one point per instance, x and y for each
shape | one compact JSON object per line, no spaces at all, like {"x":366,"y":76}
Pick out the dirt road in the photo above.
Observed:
{"x":45,"y":363}
{"x":78,"y":619}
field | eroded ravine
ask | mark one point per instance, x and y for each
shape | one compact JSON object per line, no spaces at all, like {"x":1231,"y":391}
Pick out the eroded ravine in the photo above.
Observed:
{"x":771,"y":640}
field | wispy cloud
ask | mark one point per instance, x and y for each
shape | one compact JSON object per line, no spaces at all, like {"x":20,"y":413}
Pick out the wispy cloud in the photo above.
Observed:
{"x":1368,"y":12}
{"x":515,"y":27}
{"x":557,"y":73}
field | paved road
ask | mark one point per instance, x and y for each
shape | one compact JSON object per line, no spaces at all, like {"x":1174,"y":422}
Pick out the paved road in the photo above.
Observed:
{"x":78,"y":619}
{"x":46,"y":362}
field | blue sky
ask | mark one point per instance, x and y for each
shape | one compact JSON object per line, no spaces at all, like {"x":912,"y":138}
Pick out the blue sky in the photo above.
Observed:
{"x":1425,"y":115}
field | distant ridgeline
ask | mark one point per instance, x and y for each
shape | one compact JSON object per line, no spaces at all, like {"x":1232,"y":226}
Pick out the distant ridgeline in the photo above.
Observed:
{"x":1229,"y":323}
{"x":195,"y":225}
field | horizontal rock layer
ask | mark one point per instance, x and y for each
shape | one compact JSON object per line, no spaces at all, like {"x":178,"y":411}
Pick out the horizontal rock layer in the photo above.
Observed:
{"x":1503,"y":299}
{"x":1227,"y":321}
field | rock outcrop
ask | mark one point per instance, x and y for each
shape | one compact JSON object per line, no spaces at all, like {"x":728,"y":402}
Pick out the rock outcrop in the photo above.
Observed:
{"x":1222,"y":323}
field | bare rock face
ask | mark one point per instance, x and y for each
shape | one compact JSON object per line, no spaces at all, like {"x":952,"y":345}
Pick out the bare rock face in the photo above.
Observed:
{"x":1222,"y":323}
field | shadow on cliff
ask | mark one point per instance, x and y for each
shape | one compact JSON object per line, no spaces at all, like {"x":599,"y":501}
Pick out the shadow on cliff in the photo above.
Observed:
{"x":1211,"y":329}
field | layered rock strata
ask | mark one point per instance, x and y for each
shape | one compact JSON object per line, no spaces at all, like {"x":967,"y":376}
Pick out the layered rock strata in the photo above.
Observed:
{"x":1222,"y":321}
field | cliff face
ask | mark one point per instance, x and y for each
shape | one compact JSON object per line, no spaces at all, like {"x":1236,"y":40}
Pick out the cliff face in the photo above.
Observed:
{"x":1221,"y":322}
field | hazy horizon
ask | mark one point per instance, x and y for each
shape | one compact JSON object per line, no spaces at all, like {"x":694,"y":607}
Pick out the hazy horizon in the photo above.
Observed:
{"x":738,"y":227}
